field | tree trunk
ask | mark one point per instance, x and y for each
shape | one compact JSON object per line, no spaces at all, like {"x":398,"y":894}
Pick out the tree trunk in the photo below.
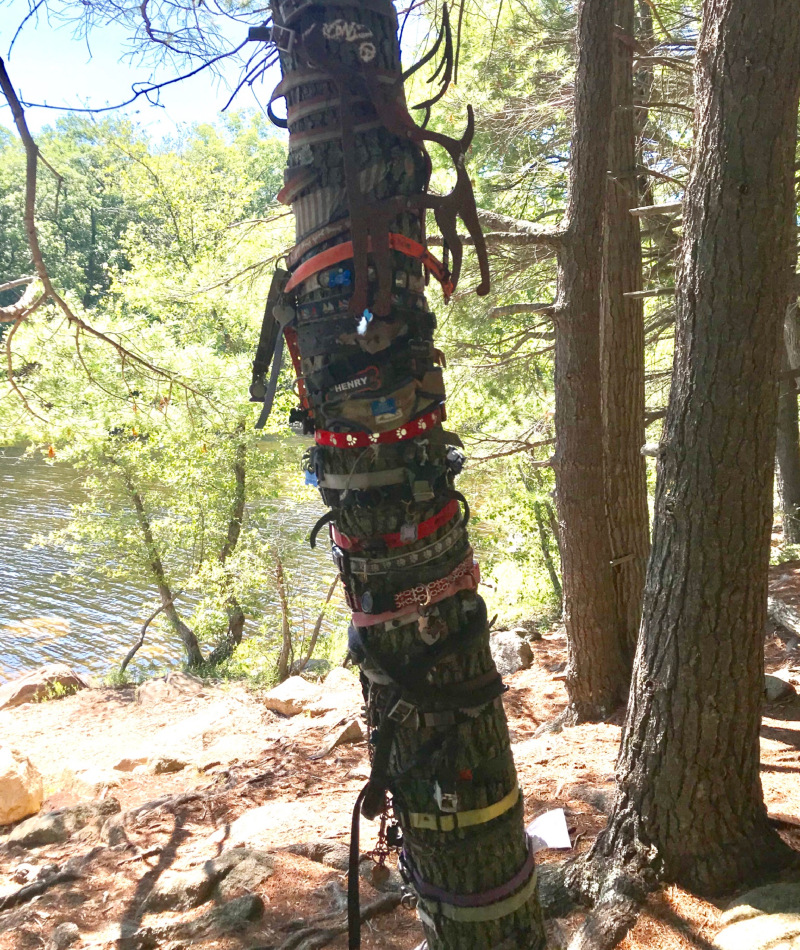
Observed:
{"x":787,"y":454}
{"x":597,"y":672}
{"x":236,"y":618}
{"x":285,"y":655}
{"x":439,"y":737}
{"x":689,"y":802}
{"x":542,"y":512}
{"x":622,"y":348}
{"x":194,"y":655}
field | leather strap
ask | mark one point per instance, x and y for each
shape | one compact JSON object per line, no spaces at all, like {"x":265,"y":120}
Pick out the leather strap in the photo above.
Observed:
{"x":344,"y":251}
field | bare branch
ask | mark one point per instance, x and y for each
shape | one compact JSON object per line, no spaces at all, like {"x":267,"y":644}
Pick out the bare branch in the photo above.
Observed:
{"x":19,"y":282}
{"x":29,"y":218}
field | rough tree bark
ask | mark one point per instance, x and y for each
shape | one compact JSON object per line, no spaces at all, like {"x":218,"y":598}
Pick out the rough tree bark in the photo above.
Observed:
{"x":787,"y":454}
{"x":689,"y":805}
{"x":446,"y":755}
{"x":622,"y":347}
{"x":597,"y":672}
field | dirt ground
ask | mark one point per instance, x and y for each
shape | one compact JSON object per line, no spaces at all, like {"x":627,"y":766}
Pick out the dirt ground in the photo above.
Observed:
{"x":262,"y":780}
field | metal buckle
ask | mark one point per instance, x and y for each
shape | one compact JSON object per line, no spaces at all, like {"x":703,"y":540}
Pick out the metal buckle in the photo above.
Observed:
{"x":293,"y":8}
{"x":283,"y":38}
{"x":447,"y":801}
{"x":401,"y":710}
{"x":341,"y":559}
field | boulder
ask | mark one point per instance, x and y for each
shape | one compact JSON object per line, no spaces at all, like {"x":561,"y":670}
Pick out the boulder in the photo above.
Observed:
{"x":292,"y":696}
{"x":63,"y":936}
{"x":54,"y":827}
{"x":165,"y":764}
{"x":179,"y":890}
{"x":21,"y":789}
{"x":510,"y":653}
{"x":96,"y":779}
{"x":311,"y":668}
{"x":233,"y":872}
{"x":349,"y":733}
{"x":175,"y":685}
{"x":239,"y":870}
{"x":340,"y":679}
{"x":50,"y":682}
{"x":767,"y":918}
{"x":777,"y":688}
{"x":131,"y":762}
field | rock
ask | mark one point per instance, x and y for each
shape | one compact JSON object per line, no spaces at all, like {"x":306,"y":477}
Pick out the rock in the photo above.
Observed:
{"x":49,"y":682}
{"x":55,"y":827}
{"x":234,"y":871}
{"x":776,"y":688}
{"x":179,"y":890}
{"x":292,"y":696}
{"x":239,"y":869}
{"x":312,"y":668}
{"x":129,"y":763}
{"x":767,"y":918}
{"x":96,"y":779}
{"x":164,"y":764}
{"x":350,"y":732}
{"x":340,"y":679}
{"x":21,"y":789}
{"x":510,"y":653}
{"x":521,"y":632}
{"x":63,"y":936}
{"x":233,"y":915}
{"x":25,"y":873}
{"x":175,"y":685}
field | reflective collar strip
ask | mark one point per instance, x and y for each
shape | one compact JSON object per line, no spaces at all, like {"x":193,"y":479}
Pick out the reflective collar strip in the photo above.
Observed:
{"x":464,"y":819}
{"x":396,"y":540}
{"x":362,"y":440}
{"x":426,"y":594}
{"x":398,"y":242}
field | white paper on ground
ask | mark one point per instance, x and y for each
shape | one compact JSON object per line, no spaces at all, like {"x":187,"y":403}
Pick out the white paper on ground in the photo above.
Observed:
{"x":549,"y":830}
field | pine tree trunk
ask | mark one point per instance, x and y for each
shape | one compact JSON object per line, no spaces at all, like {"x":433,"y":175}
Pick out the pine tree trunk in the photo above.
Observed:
{"x":597,"y":672}
{"x":689,"y":802}
{"x":439,"y":749}
{"x":622,"y":348}
{"x":787,"y":454}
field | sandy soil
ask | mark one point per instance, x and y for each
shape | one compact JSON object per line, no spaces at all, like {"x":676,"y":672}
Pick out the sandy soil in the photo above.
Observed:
{"x":265,"y":784}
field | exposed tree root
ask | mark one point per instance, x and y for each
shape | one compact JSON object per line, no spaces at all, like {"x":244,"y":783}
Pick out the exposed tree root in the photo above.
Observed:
{"x":608,"y":922}
{"x":310,"y":938}
{"x":29,"y":891}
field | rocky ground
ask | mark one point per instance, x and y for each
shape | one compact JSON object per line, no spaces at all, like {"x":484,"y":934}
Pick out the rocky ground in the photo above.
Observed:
{"x":187,"y":815}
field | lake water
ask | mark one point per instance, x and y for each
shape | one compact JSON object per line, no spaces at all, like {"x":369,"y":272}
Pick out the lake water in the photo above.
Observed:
{"x":91,"y":624}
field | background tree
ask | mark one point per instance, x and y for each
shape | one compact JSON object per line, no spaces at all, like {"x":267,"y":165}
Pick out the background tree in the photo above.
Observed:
{"x":689,"y":806}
